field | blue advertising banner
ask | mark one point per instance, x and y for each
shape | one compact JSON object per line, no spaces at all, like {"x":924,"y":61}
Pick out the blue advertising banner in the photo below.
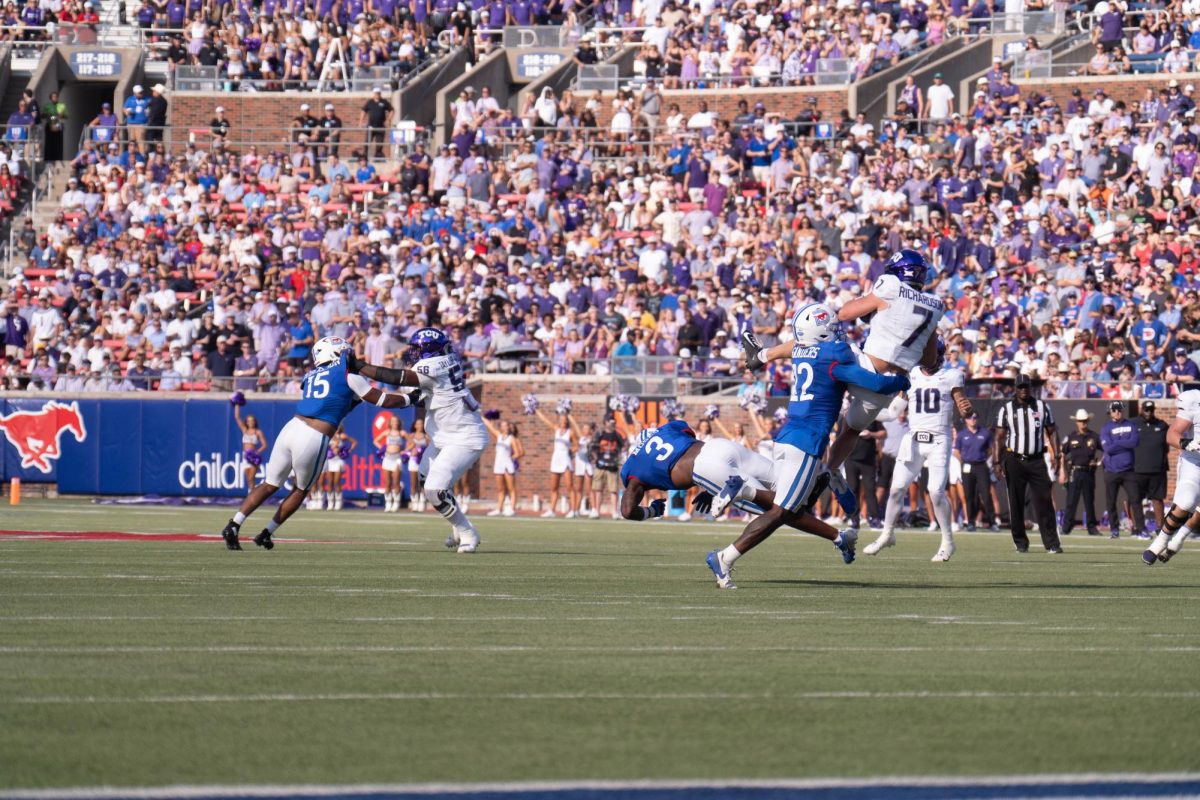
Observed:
{"x":138,"y":446}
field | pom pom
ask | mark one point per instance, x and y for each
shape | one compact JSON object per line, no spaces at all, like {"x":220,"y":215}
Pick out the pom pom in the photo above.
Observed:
{"x":564,"y":405}
{"x":237,"y":399}
{"x":252,"y":457}
{"x":781,"y":414}
{"x":492,"y":414}
{"x":712,"y":411}
{"x":630,"y":403}
{"x":616,"y":403}
{"x":530,"y":402}
{"x":344,"y":450}
{"x":672,"y":409}
{"x":329,"y":453}
{"x":753,"y":401}
{"x":381,"y":451}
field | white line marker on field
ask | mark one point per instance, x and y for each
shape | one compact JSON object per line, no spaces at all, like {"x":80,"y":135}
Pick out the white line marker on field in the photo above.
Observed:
{"x":342,"y":697}
{"x":1033,"y":781}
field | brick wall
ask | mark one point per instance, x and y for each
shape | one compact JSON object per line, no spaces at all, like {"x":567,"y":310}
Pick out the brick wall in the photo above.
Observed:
{"x":589,"y":396}
{"x":787,"y":101}
{"x":261,"y":118}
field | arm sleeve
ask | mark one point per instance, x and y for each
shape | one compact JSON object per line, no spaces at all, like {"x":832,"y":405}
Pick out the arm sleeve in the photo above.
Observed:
{"x":857,"y":376}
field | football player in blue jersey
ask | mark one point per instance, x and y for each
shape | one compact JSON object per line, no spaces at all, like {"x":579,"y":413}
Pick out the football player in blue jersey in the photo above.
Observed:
{"x":330,"y":392}
{"x":823,"y":366}
{"x":670,"y":457}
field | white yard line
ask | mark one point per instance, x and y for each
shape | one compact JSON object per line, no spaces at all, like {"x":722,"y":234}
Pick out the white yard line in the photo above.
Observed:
{"x":341,"y":697}
{"x":631,"y":649}
{"x":1033,"y":781}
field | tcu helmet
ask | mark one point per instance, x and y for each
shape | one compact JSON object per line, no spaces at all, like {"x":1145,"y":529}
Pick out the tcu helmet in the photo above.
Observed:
{"x":328,"y":350}
{"x":815,"y":323}
{"x":909,"y":266}
{"x":428,"y":343}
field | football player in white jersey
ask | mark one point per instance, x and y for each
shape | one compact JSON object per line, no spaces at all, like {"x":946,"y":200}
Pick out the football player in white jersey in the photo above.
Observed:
{"x":902,"y":336}
{"x":456,"y":429}
{"x":1182,"y":519}
{"x":934,"y":395}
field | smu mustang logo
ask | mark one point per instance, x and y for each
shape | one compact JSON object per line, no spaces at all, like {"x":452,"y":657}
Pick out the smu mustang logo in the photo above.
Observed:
{"x":37,"y":435}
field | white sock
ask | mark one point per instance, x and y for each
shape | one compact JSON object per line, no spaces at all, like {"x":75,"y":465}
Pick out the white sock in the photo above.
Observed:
{"x":239,"y":518}
{"x":729,"y":555}
{"x":272,"y":525}
{"x":1159,"y":544}
{"x":1178,"y":539}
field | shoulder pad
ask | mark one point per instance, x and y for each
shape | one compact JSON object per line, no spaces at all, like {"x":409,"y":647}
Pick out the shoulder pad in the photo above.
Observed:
{"x":887,"y":287}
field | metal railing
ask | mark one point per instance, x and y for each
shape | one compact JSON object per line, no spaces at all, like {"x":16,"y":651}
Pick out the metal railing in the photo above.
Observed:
{"x":345,"y":142}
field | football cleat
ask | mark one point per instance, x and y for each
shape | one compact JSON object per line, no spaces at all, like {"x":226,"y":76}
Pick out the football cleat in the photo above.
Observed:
{"x":841,"y":490}
{"x":1149,"y":557}
{"x":727,"y":494}
{"x":944,"y":553}
{"x":723,"y":573}
{"x":848,"y":545}
{"x":468,"y":541}
{"x":230,"y":535}
{"x":885,"y":540}
{"x":264,"y":540}
{"x":451,"y":541}
{"x":1165,"y":555}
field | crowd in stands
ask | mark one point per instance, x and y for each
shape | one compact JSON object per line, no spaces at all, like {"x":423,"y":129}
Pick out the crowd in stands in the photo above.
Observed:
{"x":703,"y":44}
{"x":1063,"y":236}
{"x":273,"y":45}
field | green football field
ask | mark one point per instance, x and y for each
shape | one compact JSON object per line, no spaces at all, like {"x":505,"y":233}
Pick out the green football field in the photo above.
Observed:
{"x":361,"y":651}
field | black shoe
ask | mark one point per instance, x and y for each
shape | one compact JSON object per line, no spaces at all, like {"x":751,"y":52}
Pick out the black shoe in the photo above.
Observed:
{"x":1020,"y":549}
{"x":1165,"y":555}
{"x":230,"y":535}
{"x":264,"y":540}
{"x":1064,"y":532}
{"x":1057,"y":550}
{"x":818,"y":489}
{"x":995,"y":527}
{"x":1094,"y":532}
{"x":970,"y":528}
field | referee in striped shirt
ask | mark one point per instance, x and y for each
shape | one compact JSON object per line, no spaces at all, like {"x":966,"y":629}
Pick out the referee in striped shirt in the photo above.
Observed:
{"x":1024,"y":429}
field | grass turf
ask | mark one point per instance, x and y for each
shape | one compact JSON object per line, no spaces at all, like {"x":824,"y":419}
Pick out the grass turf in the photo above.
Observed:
{"x":575,"y":649}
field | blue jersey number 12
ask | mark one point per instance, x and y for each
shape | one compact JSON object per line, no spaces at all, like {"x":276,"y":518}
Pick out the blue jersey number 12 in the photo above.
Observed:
{"x":803,"y":372}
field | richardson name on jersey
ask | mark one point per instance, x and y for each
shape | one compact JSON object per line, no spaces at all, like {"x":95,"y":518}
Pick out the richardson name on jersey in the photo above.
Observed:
{"x":928,"y":300}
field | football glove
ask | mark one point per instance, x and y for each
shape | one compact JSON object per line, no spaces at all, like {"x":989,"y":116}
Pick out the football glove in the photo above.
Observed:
{"x":753,"y":348}
{"x":353,"y":362}
{"x":702,"y":503}
{"x":1193,"y":446}
{"x":657,"y":509}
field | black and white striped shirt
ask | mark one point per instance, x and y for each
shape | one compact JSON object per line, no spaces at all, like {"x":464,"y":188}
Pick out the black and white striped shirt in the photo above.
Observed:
{"x":1025,"y":426}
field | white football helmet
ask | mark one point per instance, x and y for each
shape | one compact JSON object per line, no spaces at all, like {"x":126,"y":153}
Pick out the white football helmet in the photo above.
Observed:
{"x":328,"y":350}
{"x":816,"y":323}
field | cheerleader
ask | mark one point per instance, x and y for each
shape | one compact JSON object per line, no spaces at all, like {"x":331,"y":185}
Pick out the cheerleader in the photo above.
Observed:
{"x":393,"y":446}
{"x":560,"y":458}
{"x":416,"y":443}
{"x":509,"y":452}
{"x":340,"y":447}
{"x":581,"y":488}
{"x":254,"y":443}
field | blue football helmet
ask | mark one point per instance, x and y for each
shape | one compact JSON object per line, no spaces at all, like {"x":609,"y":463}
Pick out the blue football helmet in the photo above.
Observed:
{"x":909,"y":266}
{"x":428,"y":343}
